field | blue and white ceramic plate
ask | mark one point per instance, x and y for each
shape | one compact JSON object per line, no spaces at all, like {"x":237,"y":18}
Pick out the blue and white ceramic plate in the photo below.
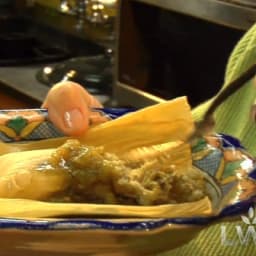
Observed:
{"x":231,"y":176}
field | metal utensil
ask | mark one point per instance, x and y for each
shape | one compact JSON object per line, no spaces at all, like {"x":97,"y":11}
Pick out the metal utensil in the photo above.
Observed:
{"x":206,"y":125}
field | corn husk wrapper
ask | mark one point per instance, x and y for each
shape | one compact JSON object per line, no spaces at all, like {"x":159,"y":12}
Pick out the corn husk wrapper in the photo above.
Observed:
{"x":132,"y":136}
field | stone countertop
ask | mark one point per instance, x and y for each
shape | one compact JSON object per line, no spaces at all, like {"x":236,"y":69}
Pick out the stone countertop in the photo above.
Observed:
{"x":23,"y":80}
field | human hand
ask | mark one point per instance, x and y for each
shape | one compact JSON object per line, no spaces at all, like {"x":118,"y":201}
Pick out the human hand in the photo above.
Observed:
{"x":69,"y":108}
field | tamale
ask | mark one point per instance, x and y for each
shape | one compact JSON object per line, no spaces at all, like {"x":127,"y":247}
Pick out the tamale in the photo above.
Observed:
{"x":133,"y":137}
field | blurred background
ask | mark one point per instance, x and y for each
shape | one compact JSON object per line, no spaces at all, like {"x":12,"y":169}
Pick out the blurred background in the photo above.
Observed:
{"x":125,"y":52}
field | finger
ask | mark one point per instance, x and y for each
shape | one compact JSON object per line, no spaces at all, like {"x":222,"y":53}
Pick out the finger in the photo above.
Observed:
{"x":69,"y":87}
{"x":97,"y":118}
{"x":67,"y":105}
{"x":89,"y":99}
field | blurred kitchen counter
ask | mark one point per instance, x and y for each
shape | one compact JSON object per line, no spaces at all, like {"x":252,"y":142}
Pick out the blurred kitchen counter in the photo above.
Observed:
{"x":20,"y":88}
{"x":19,"y":84}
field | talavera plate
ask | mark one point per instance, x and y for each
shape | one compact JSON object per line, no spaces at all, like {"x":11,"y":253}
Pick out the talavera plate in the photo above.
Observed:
{"x":231,"y":176}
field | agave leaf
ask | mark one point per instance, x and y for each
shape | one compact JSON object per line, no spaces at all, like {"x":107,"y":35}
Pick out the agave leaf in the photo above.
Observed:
{"x":251,"y":212}
{"x":245,"y":220}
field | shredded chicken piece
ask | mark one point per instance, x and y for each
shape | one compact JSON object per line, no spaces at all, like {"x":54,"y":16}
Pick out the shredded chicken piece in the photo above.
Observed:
{"x":101,"y":177}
